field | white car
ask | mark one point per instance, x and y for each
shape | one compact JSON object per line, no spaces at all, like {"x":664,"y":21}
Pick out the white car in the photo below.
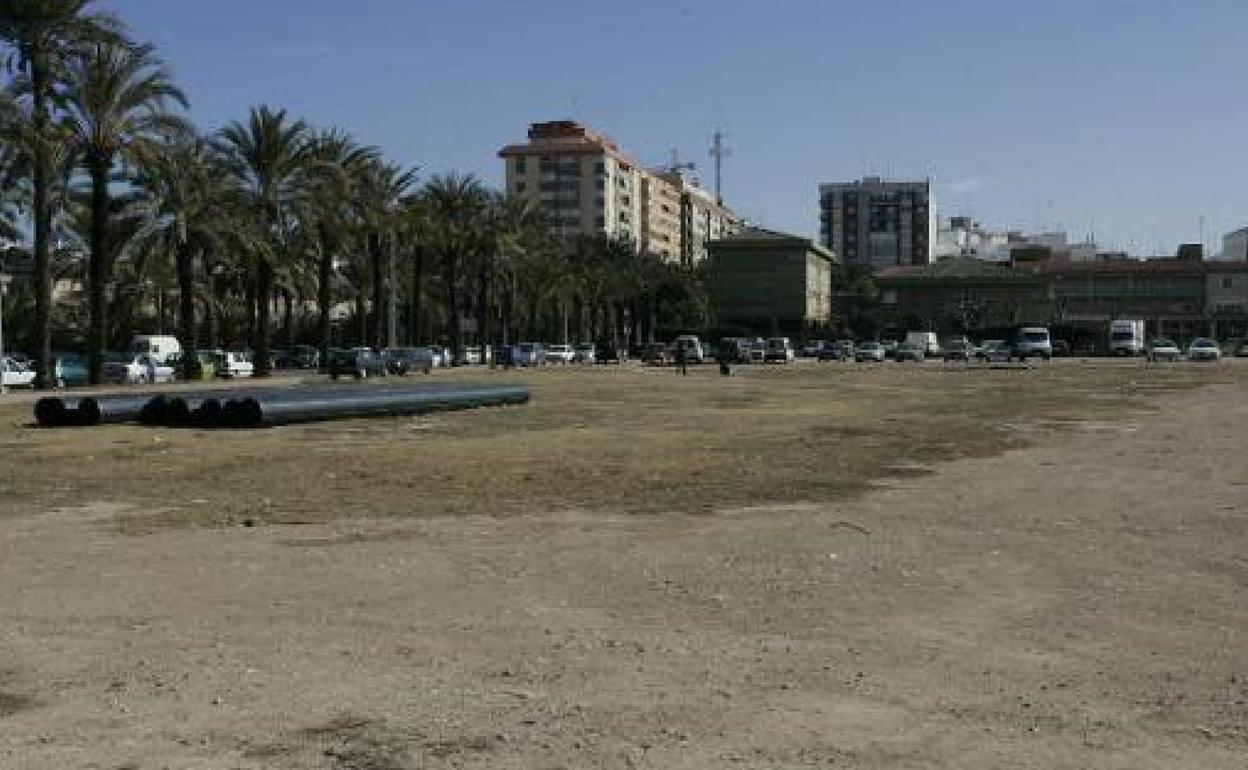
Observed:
{"x":1203,"y":349}
{"x":869,"y":351}
{"x":15,"y":374}
{"x":585,"y":353}
{"x":472,"y":355}
{"x":560,"y":354}
{"x":441,"y":356}
{"x":1164,"y":350}
{"x":136,"y":369}
{"x":234,"y":365}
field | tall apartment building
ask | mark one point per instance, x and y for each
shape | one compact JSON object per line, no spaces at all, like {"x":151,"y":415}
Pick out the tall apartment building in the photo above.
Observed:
{"x":580,"y":179}
{"x":661,"y":225}
{"x":587,"y":186}
{"x":877,"y":223}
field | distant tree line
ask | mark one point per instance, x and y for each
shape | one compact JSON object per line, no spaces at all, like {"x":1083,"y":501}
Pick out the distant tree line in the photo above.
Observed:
{"x":264,"y":230}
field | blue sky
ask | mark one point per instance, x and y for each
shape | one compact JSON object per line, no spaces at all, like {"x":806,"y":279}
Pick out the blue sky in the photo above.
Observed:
{"x":1126,"y":118}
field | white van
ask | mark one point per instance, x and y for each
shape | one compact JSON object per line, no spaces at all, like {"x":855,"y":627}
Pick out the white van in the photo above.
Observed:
{"x":231,"y":365}
{"x":925,"y":341}
{"x":1033,"y":342}
{"x":161,"y":347}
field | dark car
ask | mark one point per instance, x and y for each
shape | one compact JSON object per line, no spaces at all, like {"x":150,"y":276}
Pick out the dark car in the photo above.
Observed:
{"x":608,"y":353}
{"x":657,"y":354}
{"x":1061,"y":348}
{"x":836,"y":351}
{"x":358,"y":363}
{"x":959,"y":350}
{"x":734,"y":350}
{"x":300,"y":357}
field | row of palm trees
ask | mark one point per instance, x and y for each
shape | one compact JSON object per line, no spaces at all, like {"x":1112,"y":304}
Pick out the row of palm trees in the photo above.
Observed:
{"x":270,"y":214}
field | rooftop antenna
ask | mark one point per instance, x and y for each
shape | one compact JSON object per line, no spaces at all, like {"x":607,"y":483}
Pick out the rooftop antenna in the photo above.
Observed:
{"x":718,"y":153}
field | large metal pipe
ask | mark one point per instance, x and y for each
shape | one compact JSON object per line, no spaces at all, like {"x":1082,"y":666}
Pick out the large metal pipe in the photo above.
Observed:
{"x":308,"y":405}
{"x":56,"y":412}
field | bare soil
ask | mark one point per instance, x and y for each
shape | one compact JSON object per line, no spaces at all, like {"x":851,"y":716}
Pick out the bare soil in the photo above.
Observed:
{"x":812,"y":566}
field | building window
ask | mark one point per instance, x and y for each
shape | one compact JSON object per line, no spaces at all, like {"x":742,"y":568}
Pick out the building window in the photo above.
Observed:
{"x":521,"y":166}
{"x":1227,"y":282}
{"x":600,"y":221}
{"x":520,"y":187}
{"x":600,"y":167}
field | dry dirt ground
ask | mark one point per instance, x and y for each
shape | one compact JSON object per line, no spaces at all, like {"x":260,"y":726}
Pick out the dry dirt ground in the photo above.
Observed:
{"x":847,"y":567}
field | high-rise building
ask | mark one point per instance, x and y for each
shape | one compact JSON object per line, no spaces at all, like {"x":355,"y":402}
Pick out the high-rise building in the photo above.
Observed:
{"x":661,"y":223}
{"x":586,"y":185}
{"x":580,"y":180}
{"x":877,"y":224}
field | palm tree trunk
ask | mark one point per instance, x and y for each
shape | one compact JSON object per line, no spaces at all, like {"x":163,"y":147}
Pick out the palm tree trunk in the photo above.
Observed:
{"x":483,"y":307}
{"x":41,"y":345}
{"x":392,"y":298}
{"x":288,"y":317}
{"x":264,"y":304}
{"x":324,"y":297}
{"x":452,"y":308}
{"x":376,"y":263}
{"x":186,"y":312}
{"x":210,"y":311}
{"x":97,"y":268}
{"x":418,"y":289}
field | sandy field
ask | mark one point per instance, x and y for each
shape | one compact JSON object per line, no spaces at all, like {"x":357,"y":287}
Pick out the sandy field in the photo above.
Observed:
{"x":832,"y":567}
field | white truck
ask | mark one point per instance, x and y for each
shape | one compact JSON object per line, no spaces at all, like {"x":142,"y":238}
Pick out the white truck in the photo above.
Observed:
{"x":1126,"y":337}
{"x":926,"y":341}
{"x":161,"y":347}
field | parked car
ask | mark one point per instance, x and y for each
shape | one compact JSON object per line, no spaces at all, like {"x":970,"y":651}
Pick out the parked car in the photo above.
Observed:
{"x":584,"y":353}
{"x":301,"y":357}
{"x":233,"y":365}
{"x":1061,"y":348}
{"x":475,"y":355}
{"x":607,"y":352}
{"x":911,"y":351}
{"x":161,"y":347}
{"x":780,"y":350}
{"x":869,"y":351}
{"x":688,"y":348}
{"x":988,"y":348}
{"x":1163,"y":349}
{"x":534,"y":353}
{"x":560,"y":354}
{"x":1242,"y":350}
{"x":735,"y":350}
{"x":836,"y":351}
{"x":15,"y":374}
{"x":958,"y":350}
{"x":757,"y":347}
{"x":414,"y":359}
{"x":811,"y":348}
{"x":656,"y":354}
{"x":359,"y":363}
{"x":1033,"y":342}
{"x":1203,"y":349}
{"x":70,"y":370}
{"x":890,"y":348}
{"x":136,"y":369}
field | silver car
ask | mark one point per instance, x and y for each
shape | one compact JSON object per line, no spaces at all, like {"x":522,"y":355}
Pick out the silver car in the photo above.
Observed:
{"x":1203,"y":349}
{"x":869,"y":351}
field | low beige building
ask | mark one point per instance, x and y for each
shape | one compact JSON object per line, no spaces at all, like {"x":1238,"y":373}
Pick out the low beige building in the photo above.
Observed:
{"x":764,"y":282}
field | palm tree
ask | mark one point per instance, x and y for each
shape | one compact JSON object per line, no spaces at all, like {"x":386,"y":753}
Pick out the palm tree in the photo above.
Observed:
{"x":338,"y":163}
{"x":191,"y":215}
{"x":117,"y":108}
{"x":382,"y":189}
{"x":42,"y":35}
{"x":515,"y":229}
{"x":270,"y":159}
{"x":456,"y":206}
